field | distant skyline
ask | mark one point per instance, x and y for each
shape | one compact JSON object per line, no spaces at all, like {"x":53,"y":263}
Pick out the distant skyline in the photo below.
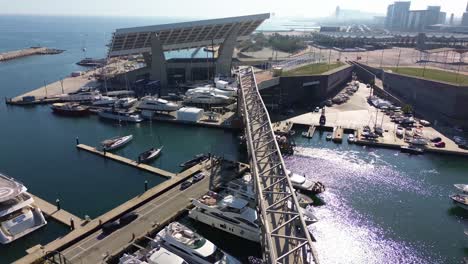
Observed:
{"x":212,"y":8}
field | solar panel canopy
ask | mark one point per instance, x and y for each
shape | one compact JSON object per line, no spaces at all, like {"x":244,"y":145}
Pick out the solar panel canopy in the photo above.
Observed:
{"x":185,"y":35}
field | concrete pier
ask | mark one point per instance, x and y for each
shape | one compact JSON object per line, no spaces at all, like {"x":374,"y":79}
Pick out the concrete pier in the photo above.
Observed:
{"x":61,"y":215}
{"x":10,"y":55}
{"x":126,"y":161}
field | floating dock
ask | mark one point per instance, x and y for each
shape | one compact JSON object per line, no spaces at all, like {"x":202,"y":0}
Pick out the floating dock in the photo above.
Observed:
{"x":126,"y":161}
{"x":10,"y":55}
{"x":310,"y":132}
{"x":61,"y":215}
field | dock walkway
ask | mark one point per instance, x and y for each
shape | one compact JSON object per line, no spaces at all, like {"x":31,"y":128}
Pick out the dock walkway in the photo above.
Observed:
{"x":127,"y":161}
{"x":61,"y":215}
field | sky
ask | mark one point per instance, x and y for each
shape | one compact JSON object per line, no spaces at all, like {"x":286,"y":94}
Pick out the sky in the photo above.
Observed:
{"x":211,"y":8}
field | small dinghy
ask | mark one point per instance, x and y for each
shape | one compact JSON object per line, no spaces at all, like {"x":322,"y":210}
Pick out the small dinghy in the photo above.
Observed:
{"x":149,"y":155}
{"x":116,"y":142}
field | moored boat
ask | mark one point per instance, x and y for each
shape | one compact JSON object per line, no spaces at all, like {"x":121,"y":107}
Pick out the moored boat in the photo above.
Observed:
{"x":462,"y":187}
{"x":198,"y":158}
{"x":116,"y":142}
{"x":411,"y":150}
{"x":149,"y":155}
{"x":70,"y":109}
{"x":19,"y":215}
{"x":126,"y":116}
{"x":461,"y":200}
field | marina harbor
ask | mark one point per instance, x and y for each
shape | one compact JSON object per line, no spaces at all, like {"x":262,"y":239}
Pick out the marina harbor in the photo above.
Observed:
{"x":257,"y":138}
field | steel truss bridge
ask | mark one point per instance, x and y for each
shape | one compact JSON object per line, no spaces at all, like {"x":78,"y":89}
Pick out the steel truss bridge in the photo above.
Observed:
{"x":285,"y":237}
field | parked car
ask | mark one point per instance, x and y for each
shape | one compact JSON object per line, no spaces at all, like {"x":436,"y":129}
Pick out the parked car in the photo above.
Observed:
{"x":440,"y":144}
{"x":185,"y":185}
{"x":400,"y":132}
{"x":110,"y":227}
{"x":198,"y":177}
{"x":436,"y":140}
{"x":127,"y":218}
{"x":463,"y":145}
{"x":317,"y":109}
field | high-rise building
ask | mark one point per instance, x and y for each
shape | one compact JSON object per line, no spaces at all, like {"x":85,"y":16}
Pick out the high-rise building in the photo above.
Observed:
{"x":442,"y":18}
{"x":416,"y":20}
{"x":337,"y":12}
{"x":432,"y":15}
{"x":451,"y":19}
{"x":465,"y":17}
{"x":397,"y":15}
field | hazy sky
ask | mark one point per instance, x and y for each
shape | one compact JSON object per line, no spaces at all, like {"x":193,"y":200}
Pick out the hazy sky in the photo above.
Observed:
{"x":210,"y":8}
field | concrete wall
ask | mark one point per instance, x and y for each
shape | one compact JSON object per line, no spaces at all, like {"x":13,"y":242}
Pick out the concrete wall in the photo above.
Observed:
{"x":433,"y":100}
{"x":306,"y":90}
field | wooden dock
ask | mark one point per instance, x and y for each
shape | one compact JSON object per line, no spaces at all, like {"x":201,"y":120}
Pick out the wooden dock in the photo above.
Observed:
{"x":310,"y":132}
{"x":338,"y":135}
{"x":61,"y":215}
{"x":127,"y":161}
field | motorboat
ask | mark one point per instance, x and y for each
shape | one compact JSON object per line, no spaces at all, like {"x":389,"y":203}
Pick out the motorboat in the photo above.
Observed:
{"x":329,"y":137}
{"x":19,"y":215}
{"x":412,"y":150}
{"x":351,"y":138}
{"x":229,"y":213}
{"x":70,"y":109}
{"x":126,"y":102}
{"x":300,"y":182}
{"x":116,"y":142}
{"x":149,"y":155}
{"x":105,"y":101}
{"x":157,"y":255}
{"x":90,"y":62}
{"x":197,"y":159}
{"x":191,"y":246}
{"x":127,"y":116}
{"x":308,"y":214}
{"x":424,"y":123}
{"x":461,"y":200}
{"x":462,"y":187}
{"x":157,"y":104}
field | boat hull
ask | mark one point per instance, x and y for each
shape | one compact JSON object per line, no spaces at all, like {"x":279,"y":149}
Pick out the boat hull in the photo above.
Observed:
{"x":84,"y":112}
{"x":249,"y":234}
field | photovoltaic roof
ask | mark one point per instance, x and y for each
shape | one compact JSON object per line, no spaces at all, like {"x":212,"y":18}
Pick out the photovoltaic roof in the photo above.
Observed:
{"x":183,"y":35}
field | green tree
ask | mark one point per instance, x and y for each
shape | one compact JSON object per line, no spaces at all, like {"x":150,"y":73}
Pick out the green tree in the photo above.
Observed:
{"x":407,"y":109}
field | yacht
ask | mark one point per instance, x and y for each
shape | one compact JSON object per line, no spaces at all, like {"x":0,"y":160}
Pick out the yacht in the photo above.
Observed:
{"x":462,"y":187}
{"x":82,"y":96}
{"x":224,"y":91}
{"x":105,"y":101}
{"x":158,"y":255}
{"x":116,"y":142}
{"x":126,"y":102}
{"x":19,"y":215}
{"x":206,"y":97}
{"x":242,"y":188}
{"x":229,"y":213}
{"x":157,"y":104}
{"x":191,"y":246}
{"x":120,"y":115}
